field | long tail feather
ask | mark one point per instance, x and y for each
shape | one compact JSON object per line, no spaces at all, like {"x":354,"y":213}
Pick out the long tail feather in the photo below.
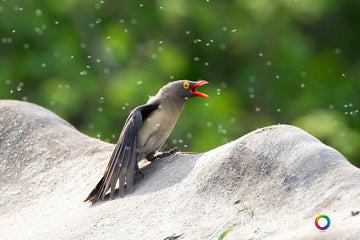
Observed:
{"x":94,"y":195}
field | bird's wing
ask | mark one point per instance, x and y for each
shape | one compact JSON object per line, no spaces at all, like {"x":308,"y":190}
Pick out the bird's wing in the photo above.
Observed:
{"x":125,"y":156}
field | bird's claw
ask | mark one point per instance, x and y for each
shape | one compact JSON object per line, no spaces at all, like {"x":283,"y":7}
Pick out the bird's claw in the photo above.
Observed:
{"x":165,"y":154}
{"x":138,"y":172}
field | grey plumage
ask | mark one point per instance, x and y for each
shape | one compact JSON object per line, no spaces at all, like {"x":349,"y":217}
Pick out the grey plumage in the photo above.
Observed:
{"x":144,"y":132}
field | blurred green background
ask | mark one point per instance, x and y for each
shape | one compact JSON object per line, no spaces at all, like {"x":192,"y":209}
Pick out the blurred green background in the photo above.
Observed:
{"x":268,"y":62}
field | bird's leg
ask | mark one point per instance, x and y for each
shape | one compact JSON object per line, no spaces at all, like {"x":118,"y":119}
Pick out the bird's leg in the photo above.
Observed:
{"x":138,"y":172}
{"x":164,"y":154}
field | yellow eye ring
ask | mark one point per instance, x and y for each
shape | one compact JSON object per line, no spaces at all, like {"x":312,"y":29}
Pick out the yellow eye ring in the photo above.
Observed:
{"x":186,"y":85}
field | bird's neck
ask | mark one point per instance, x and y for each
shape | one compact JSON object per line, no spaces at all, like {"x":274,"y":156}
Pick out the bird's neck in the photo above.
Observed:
{"x":173,"y":105}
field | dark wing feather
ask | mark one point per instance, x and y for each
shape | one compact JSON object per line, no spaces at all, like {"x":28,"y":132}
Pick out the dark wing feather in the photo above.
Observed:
{"x":124,"y":158}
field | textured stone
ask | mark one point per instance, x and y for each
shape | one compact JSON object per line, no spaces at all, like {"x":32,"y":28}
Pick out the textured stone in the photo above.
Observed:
{"x":284,"y":176}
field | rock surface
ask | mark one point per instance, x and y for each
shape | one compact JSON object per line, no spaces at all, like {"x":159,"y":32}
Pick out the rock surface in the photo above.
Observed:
{"x":280,"y":175}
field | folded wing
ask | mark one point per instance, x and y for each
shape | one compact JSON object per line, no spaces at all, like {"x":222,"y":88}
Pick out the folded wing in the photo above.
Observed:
{"x":121,"y":167}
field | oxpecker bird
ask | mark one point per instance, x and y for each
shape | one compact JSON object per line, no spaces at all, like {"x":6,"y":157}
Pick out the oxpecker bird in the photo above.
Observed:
{"x":145,"y":131}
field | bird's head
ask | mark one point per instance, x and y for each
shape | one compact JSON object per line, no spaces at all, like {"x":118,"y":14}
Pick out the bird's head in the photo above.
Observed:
{"x":182,"y":89}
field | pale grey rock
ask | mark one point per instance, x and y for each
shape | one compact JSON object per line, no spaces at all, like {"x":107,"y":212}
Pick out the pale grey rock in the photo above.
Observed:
{"x":283,"y":175}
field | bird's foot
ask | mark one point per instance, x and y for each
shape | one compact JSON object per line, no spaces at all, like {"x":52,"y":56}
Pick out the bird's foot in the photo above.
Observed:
{"x":165,"y":154}
{"x":138,"y":172}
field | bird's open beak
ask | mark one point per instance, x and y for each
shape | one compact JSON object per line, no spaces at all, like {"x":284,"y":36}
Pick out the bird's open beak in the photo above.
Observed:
{"x":194,"y":89}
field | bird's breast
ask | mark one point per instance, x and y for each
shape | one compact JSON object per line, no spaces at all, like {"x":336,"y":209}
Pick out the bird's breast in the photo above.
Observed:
{"x":155,"y":129}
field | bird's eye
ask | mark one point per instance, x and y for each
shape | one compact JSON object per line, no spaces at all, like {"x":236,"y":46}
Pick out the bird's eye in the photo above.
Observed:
{"x":186,"y":85}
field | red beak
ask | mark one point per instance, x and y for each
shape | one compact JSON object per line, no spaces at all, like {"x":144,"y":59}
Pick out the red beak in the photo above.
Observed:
{"x":194,"y":89}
